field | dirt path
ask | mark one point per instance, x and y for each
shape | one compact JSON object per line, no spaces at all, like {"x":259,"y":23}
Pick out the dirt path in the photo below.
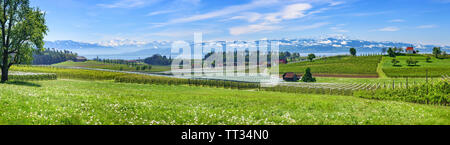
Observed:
{"x":380,"y":69}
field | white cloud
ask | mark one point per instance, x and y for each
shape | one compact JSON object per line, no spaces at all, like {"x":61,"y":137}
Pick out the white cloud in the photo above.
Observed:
{"x":389,"y":29}
{"x":396,"y":20}
{"x":336,"y":45}
{"x":225,"y":11}
{"x":252,"y":29}
{"x":306,"y":27}
{"x":426,"y":26}
{"x":250,"y":17}
{"x":179,"y":33}
{"x":336,"y":3}
{"x":338,"y":28}
{"x":128,"y":3}
{"x":195,"y":2}
{"x":289,"y":12}
{"x":325,"y":42}
{"x":160,"y":12}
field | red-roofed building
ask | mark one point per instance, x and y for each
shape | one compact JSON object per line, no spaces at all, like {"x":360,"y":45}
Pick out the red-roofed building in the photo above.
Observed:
{"x":290,"y":76}
{"x":410,"y":50}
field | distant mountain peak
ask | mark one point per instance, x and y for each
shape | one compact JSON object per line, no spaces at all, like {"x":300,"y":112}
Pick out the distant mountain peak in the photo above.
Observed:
{"x":135,"y":49}
{"x":121,"y":42}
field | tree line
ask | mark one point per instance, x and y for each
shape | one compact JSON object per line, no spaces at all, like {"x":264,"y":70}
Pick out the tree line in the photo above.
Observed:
{"x":52,"y":56}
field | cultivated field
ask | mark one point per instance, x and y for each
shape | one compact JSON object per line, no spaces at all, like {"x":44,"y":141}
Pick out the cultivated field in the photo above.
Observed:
{"x":338,"y":65}
{"x":70,"y":73}
{"x":76,"y":102}
{"x":82,"y":96}
{"x":111,"y":66}
{"x":373,"y":80}
{"x":436,"y":67}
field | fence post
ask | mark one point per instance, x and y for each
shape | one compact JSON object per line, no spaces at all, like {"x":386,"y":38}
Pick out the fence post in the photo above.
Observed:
{"x":406,"y":82}
{"x":393,"y":84}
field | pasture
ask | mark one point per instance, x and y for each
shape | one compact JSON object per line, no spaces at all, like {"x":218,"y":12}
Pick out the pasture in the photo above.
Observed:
{"x":76,"y":102}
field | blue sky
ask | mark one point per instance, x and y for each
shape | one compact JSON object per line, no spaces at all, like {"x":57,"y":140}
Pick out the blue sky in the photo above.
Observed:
{"x":413,"y":21}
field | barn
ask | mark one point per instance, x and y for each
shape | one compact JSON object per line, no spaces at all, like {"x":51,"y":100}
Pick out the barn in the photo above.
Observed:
{"x":290,"y":76}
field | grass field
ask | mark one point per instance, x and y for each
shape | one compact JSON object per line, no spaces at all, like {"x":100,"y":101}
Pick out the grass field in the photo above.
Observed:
{"x":75,"y":102}
{"x":436,"y":68}
{"x":338,"y":65}
{"x":100,"y":65}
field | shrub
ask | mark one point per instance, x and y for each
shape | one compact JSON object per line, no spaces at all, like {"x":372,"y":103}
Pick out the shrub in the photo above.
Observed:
{"x":395,"y":62}
{"x":411,"y":61}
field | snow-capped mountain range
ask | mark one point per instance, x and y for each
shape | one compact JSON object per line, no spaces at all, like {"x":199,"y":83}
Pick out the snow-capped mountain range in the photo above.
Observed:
{"x":129,"y":49}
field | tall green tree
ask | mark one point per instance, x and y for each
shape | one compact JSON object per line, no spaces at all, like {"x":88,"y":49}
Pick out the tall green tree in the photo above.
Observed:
{"x":437,"y":51}
{"x":307,"y":77}
{"x":22,"y":30}
{"x":353,"y":51}
{"x":311,"y":57}
{"x":383,"y":50}
{"x":391,"y":52}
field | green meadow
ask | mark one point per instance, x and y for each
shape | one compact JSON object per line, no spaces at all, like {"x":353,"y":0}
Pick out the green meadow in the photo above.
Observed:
{"x":92,"y":97}
{"x":76,"y":102}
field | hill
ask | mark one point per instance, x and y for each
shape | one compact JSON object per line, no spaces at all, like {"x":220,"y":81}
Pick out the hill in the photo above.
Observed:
{"x":347,"y":66}
{"x":436,"y":67}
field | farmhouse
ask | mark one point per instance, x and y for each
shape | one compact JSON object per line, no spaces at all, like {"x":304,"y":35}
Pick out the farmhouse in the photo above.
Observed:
{"x":410,"y":50}
{"x":290,"y":76}
{"x":80,"y":59}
